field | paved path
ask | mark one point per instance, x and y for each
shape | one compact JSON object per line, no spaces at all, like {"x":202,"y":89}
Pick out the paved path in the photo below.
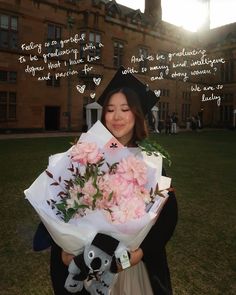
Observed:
{"x":72,"y":134}
{"x":39,"y":135}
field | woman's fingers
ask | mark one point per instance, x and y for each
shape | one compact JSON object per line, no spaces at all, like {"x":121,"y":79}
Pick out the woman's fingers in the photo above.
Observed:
{"x":136,"y":256}
{"x":66,"y":257}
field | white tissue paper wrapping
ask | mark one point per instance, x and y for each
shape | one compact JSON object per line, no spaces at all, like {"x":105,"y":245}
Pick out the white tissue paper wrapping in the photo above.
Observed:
{"x":74,"y":235}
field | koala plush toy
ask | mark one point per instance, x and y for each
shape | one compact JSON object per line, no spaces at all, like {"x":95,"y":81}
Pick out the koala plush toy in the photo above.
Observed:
{"x":95,"y":268}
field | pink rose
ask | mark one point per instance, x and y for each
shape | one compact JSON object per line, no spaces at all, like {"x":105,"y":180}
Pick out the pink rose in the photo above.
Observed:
{"x":86,"y":153}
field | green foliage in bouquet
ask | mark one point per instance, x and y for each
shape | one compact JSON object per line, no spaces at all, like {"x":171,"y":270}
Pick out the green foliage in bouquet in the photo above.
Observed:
{"x":62,"y":206}
{"x":68,"y":207}
{"x":153,"y":148}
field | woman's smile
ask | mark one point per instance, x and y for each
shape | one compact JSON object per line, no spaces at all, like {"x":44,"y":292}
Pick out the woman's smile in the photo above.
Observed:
{"x":118,"y":126}
{"x":119,"y":118}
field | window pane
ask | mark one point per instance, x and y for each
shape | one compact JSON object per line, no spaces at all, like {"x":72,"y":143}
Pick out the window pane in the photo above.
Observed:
{"x":3,"y":76}
{"x":91,"y":37}
{"x":98,"y":52}
{"x":4,"y":22}
{"x":3,"y":97}
{"x":143,"y":51}
{"x":13,"y":40}
{"x":12,"y":112}
{"x":98,"y":38}
{"x":58,"y":33}
{"x":3,"y":112}
{"x":51,"y":32}
{"x":14,"y":22}
{"x":12,"y":97}
{"x":82,"y":44}
{"x":118,"y":54}
{"x":3,"y":39}
{"x":12,"y":77}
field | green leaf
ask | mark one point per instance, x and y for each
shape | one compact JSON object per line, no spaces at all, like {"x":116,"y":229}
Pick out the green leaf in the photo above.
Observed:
{"x":151,"y":147}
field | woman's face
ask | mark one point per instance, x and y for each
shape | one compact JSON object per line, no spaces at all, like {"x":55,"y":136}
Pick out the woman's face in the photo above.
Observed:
{"x":119,"y":119}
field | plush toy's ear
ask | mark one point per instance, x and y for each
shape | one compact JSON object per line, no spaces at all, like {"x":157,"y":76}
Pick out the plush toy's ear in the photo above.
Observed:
{"x":113,"y":267}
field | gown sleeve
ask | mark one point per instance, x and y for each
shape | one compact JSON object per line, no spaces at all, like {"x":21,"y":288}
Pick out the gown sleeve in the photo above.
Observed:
{"x":164,"y":227}
{"x":153,"y":246}
{"x":42,"y":239}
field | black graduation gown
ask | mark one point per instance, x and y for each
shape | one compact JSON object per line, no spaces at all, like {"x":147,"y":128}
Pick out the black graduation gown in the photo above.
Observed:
{"x":58,"y":270}
{"x":153,"y":248}
{"x":59,"y":273}
{"x":154,"y":251}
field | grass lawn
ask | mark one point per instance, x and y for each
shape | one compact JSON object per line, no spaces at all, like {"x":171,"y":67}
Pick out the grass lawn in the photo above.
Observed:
{"x":201,"y":253}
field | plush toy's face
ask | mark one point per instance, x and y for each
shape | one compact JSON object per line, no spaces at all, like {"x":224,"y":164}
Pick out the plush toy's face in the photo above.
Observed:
{"x":94,"y":268}
{"x":96,"y":259}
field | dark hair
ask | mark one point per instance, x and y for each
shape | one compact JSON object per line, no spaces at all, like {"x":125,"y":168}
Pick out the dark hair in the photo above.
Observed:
{"x":133,"y":100}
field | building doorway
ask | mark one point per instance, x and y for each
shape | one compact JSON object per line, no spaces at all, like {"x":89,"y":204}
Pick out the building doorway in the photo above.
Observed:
{"x":52,"y":118}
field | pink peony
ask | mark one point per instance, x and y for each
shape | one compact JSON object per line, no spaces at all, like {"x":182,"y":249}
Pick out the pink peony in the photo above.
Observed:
{"x":105,"y":186}
{"x":120,"y":193}
{"x":122,"y":187}
{"x":128,"y":209}
{"x":86,"y":153}
{"x":133,"y":170}
{"x":142,"y":193}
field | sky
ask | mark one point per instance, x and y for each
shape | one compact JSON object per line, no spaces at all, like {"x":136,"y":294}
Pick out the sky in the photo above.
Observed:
{"x":221,"y":12}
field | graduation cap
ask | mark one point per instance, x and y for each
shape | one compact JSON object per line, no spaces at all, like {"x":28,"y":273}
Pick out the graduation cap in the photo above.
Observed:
{"x":147,"y":97}
{"x":106,"y":243}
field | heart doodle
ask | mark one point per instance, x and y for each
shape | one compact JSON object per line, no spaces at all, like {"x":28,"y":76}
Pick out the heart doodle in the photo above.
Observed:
{"x":157,"y":93}
{"x":97,"y":81}
{"x":92,"y":95}
{"x":80,"y":88}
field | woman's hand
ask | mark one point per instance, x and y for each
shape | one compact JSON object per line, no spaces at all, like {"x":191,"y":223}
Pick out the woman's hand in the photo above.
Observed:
{"x":136,"y":256}
{"x":66,"y":257}
{"x":171,"y":189}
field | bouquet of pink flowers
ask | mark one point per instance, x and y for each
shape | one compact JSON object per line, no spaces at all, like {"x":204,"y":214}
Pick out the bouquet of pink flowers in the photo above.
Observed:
{"x":118,"y":189}
{"x":98,"y":185}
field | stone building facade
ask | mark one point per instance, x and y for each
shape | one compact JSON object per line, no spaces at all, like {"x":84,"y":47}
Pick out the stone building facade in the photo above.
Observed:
{"x":56,"y":56}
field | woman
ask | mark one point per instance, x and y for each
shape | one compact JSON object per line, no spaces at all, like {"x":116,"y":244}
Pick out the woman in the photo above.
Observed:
{"x":123,"y":115}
